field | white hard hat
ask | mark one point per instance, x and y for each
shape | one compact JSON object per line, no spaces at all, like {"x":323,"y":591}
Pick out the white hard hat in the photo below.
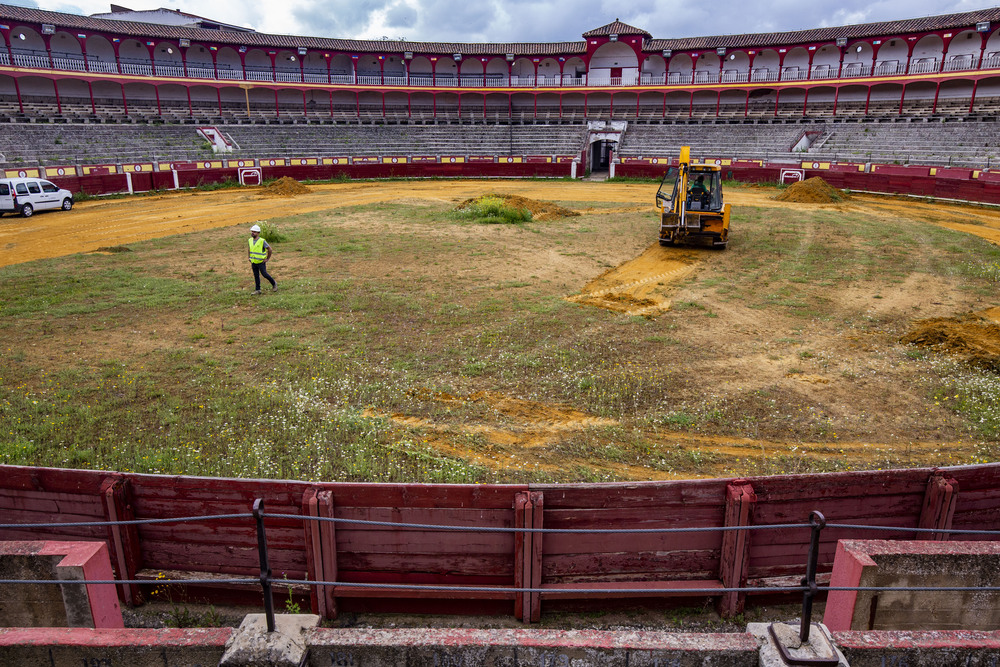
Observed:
{"x":255,"y":228}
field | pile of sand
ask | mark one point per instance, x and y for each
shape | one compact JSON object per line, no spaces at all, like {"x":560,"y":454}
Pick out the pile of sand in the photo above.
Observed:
{"x":973,"y":336}
{"x":811,"y":191}
{"x":285,"y":187}
{"x":540,"y":210}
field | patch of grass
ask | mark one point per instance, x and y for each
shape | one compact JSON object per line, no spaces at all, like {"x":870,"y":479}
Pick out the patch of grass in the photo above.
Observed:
{"x":133,"y":362}
{"x":489,"y":210}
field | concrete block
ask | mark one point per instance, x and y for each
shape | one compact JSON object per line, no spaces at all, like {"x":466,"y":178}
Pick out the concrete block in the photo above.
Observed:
{"x":819,"y":645}
{"x":920,"y":649}
{"x":537,"y":648}
{"x":62,"y":605}
{"x":903,"y":563}
{"x":69,"y":647}
{"x":253,"y":645}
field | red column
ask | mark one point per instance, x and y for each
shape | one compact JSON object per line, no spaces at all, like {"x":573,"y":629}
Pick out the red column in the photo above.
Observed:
{"x":718,"y":103}
{"x":868,"y":99}
{"x":156,"y":91}
{"x":305,"y":109}
{"x":777,"y":93}
{"x":90,"y":89}
{"x":55,"y":87}
{"x":902,"y":97}
{"x":124,"y":101}
{"x":937,"y":91}
{"x":277,"y":108}
{"x":836,"y":96}
{"x":972,"y":102}
{"x":48,"y":49}
{"x":218,"y":95}
{"x":805,"y":103}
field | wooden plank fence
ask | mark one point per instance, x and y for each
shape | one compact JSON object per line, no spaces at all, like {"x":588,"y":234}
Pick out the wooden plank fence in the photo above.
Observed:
{"x":562,"y":567}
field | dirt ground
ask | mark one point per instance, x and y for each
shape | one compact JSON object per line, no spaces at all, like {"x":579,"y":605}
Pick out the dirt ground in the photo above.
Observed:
{"x":638,"y":284}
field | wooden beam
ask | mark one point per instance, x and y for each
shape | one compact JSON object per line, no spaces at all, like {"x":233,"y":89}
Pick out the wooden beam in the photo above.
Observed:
{"x":123,"y":541}
{"x":521,"y":501}
{"x":321,"y":550}
{"x":938,"y":509}
{"x":735,"y":554}
{"x":629,"y":589}
{"x":535,"y":604}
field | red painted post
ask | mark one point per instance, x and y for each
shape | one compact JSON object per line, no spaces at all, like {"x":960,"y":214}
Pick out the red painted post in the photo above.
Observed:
{"x":520,"y":580}
{"x":122,"y":540}
{"x":938,"y":509}
{"x":734,"y":559}
{"x":537,"y":505}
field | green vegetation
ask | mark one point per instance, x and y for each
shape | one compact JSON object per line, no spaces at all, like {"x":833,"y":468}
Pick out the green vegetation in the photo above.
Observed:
{"x":490,"y":210}
{"x":393,"y":317}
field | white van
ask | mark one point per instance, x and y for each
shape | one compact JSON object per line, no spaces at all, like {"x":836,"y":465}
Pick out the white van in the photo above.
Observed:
{"x":27,"y":195}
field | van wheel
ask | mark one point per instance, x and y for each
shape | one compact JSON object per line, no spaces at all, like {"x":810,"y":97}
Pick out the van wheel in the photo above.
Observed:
{"x":67,"y":204}
{"x":27,"y":210}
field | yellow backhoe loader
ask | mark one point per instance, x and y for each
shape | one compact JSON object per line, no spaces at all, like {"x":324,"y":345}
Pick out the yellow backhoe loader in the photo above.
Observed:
{"x":691,"y":206}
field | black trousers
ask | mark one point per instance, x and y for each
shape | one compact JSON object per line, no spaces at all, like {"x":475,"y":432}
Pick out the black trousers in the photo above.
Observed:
{"x":258,"y":271}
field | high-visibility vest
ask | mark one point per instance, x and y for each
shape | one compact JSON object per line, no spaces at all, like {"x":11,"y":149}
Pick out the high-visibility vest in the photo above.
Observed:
{"x":257,"y":252}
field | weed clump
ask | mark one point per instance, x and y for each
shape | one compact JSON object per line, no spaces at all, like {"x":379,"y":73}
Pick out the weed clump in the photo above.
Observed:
{"x":494,"y":210}
{"x":270,"y":232}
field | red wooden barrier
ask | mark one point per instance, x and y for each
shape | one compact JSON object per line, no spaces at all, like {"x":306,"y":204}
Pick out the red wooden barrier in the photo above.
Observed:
{"x":560,"y":565}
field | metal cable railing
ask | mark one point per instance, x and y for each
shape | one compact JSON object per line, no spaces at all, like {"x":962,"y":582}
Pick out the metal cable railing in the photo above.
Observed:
{"x":809,"y":586}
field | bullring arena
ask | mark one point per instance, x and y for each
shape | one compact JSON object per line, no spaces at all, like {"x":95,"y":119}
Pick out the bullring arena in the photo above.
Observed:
{"x":555,"y":441}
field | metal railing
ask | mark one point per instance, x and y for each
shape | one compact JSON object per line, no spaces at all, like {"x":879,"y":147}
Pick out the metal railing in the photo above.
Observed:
{"x":38,"y":59}
{"x":809,"y":586}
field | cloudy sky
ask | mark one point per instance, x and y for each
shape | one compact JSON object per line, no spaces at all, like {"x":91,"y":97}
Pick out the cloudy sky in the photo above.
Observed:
{"x":527,"y":20}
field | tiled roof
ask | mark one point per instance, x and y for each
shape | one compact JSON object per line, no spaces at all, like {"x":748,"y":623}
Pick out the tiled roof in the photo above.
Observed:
{"x":851,"y":32}
{"x":616,"y":27}
{"x":11,"y":13}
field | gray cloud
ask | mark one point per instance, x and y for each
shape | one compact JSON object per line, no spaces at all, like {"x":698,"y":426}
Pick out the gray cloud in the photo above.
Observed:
{"x":340,"y":18}
{"x":401,"y":16}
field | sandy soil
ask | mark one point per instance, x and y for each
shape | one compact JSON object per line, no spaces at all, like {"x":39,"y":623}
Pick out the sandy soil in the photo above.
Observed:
{"x":641,"y":282}
{"x":100,"y":224}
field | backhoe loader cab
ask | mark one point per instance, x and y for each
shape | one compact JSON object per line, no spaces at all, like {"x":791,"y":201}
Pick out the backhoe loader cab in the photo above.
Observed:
{"x":691,"y":206}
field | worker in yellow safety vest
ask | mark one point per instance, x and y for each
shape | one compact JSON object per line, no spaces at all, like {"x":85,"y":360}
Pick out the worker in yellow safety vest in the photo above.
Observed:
{"x":258,"y":253}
